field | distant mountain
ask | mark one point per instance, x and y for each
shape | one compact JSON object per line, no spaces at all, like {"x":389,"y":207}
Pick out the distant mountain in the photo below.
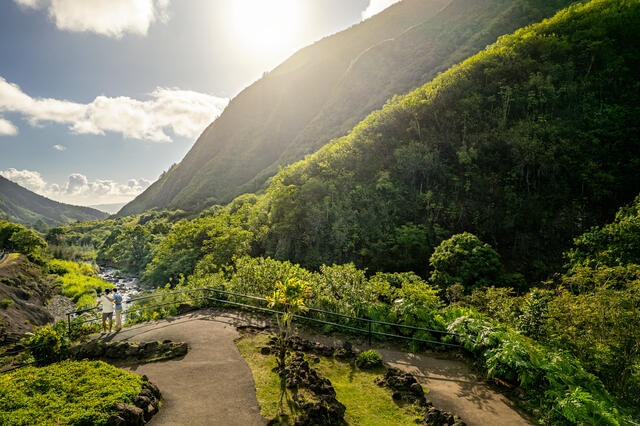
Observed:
{"x":323,"y":90}
{"x":19,"y":205}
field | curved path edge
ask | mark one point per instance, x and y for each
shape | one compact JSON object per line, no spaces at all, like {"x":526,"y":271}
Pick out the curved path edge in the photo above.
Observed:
{"x":212,"y":384}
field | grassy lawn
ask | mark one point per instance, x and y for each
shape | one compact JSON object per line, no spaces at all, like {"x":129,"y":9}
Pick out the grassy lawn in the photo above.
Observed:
{"x":367,"y":403}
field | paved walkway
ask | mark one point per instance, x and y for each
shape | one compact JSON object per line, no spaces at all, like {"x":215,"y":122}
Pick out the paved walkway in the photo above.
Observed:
{"x":212,"y":384}
{"x":453,"y":387}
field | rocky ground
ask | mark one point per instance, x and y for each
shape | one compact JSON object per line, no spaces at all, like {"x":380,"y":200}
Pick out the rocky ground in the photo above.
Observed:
{"x":58,"y":307}
{"x":24,"y":293}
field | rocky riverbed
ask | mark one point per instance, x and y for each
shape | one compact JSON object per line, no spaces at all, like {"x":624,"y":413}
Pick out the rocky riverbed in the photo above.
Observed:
{"x":128,"y":285}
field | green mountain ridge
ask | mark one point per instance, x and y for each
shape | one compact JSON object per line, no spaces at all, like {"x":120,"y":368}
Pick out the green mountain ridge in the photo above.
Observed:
{"x":325,"y":89}
{"x":526,"y":144}
{"x":19,"y":205}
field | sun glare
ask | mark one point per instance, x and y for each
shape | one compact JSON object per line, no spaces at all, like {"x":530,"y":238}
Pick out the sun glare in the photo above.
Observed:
{"x":265,"y":27}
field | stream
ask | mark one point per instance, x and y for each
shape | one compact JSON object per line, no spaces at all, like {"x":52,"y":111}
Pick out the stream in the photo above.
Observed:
{"x":129,"y":286}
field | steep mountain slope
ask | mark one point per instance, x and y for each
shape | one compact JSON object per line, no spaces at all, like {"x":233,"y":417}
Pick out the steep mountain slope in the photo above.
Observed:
{"x":19,"y":205}
{"x":526,"y":144}
{"x":323,"y":90}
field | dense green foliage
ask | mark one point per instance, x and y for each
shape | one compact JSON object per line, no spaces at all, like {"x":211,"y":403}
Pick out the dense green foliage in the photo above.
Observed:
{"x":526,"y":145}
{"x":323,"y":90}
{"x":464,"y":259}
{"x":78,"y":281}
{"x":601,"y":327}
{"x":552,"y":379}
{"x":595,"y":315}
{"x":69,"y":393}
{"x":614,"y":244}
{"x":19,"y":239}
{"x":211,"y":239}
{"x":47,"y":345}
{"x":572,"y":345}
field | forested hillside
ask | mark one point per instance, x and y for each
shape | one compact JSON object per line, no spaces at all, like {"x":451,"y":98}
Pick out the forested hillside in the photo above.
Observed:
{"x":19,"y":205}
{"x":322,"y":91}
{"x":527,"y":144}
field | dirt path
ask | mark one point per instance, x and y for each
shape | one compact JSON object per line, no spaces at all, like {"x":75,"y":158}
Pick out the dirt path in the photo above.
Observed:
{"x":212,"y":384}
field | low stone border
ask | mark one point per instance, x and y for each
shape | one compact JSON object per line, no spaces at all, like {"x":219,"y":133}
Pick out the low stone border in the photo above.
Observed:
{"x":406,"y":388}
{"x":144,"y":407}
{"x":313,"y":395}
{"x":129,"y":351}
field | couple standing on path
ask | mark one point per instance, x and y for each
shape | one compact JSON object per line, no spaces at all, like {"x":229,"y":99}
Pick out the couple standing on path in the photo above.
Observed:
{"x":109,"y":305}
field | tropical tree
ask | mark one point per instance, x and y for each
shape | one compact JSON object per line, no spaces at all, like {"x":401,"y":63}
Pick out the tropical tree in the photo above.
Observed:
{"x":464,"y":259}
{"x":15,"y":237}
{"x":289,"y":299}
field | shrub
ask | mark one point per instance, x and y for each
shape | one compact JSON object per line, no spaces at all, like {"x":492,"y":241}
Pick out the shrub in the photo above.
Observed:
{"x":47,"y":345}
{"x":369,"y":359}
{"x":554,"y":380}
{"x":6,"y":303}
{"x":65,"y":393}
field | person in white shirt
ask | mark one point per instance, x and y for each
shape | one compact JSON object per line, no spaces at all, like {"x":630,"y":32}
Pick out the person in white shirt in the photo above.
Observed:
{"x":107,"y":309}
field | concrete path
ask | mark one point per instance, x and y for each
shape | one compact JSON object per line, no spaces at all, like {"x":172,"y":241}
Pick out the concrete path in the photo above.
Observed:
{"x":453,"y":387}
{"x":212,"y":384}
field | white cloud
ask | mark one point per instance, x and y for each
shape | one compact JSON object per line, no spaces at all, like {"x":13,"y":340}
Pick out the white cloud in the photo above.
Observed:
{"x":184,"y":112}
{"x":76,"y":183}
{"x":78,"y":189}
{"x":25,"y":178}
{"x":7,"y":128}
{"x":377,"y":6}
{"x":112,"y":18}
{"x":58,"y":147}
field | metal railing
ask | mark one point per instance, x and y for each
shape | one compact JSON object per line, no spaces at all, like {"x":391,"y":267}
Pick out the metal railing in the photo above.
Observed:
{"x":359,"y":325}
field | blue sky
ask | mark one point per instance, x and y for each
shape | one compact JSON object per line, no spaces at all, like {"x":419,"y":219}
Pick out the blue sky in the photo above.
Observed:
{"x":99,"y":97}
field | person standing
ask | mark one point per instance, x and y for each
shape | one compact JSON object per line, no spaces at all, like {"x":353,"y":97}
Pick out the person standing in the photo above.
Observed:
{"x":107,"y":309}
{"x":117,"y":304}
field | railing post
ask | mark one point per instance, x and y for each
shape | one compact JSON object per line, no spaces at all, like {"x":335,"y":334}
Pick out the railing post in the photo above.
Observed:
{"x":369,"y":332}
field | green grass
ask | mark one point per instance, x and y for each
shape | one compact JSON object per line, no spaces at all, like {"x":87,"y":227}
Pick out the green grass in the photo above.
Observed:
{"x":69,"y":392}
{"x":367,"y":403}
{"x":79,"y":281}
{"x":266,"y":381}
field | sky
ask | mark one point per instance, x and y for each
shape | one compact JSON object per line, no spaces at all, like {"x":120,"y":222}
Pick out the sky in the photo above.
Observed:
{"x":99,"y":97}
